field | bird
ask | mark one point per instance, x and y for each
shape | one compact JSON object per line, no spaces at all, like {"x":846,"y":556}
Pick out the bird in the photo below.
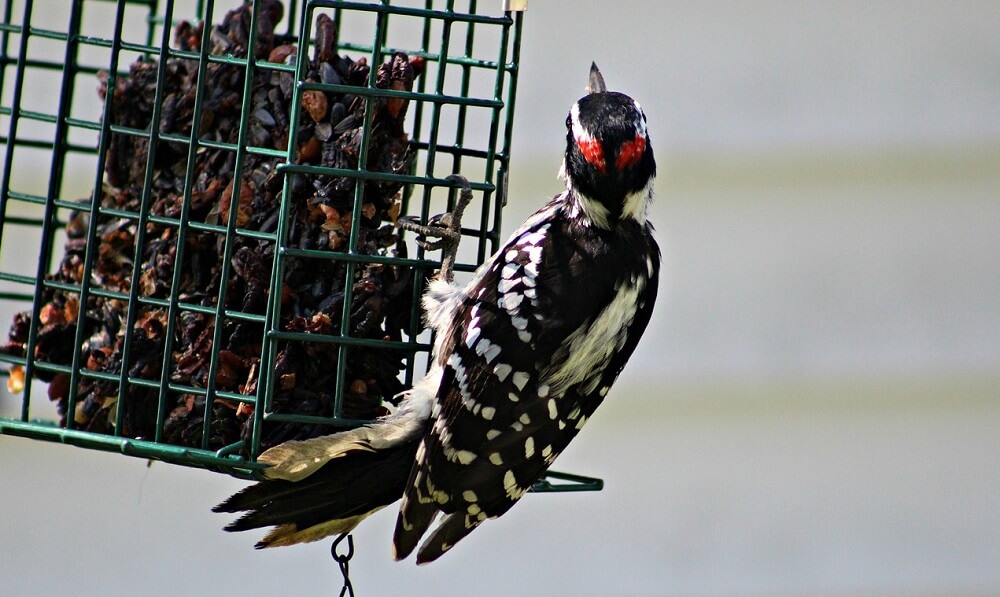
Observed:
{"x":523,"y":354}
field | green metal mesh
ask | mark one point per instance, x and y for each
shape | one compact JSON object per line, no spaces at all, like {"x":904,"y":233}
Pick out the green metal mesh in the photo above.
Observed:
{"x":459,"y":120}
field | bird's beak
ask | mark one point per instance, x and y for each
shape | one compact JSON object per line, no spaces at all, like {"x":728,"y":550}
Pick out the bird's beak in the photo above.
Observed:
{"x":596,"y":80}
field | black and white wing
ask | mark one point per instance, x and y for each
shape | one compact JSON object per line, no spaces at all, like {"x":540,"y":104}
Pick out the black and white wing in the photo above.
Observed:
{"x":531,"y":347}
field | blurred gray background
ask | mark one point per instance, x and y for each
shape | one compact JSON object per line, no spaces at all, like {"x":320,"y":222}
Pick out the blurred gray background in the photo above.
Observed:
{"x":815,"y":407}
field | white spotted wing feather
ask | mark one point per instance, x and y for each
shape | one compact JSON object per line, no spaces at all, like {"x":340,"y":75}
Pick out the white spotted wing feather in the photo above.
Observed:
{"x":528,"y":350}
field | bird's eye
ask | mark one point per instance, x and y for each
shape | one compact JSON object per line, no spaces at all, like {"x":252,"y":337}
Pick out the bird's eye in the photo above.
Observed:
{"x":569,"y":122}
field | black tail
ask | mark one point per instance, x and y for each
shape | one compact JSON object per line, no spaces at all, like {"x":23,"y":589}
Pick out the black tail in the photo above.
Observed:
{"x":332,"y":500}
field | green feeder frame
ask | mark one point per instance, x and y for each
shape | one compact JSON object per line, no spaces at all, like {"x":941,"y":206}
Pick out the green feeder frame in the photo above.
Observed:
{"x":465,"y":82}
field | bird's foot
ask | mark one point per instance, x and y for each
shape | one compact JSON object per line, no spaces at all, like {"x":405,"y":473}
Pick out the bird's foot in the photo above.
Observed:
{"x":446,"y":228}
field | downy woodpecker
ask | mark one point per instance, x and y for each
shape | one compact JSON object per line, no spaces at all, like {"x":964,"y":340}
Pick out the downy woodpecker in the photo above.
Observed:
{"x":523,"y":355}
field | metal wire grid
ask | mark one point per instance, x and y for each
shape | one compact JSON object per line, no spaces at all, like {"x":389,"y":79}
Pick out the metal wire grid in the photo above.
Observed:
{"x":48,"y":213}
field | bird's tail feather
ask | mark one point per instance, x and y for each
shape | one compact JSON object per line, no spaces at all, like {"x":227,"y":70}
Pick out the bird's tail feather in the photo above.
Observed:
{"x":329,"y":484}
{"x":332,"y":500}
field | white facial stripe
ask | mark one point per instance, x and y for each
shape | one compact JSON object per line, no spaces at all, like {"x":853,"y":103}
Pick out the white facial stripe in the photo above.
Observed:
{"x":581,"y":134}
{"x":640,"y":127}
{"x":636,"y":204}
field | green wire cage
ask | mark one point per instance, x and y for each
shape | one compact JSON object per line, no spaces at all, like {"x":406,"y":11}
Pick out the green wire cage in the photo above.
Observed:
{"x":199,"y":257}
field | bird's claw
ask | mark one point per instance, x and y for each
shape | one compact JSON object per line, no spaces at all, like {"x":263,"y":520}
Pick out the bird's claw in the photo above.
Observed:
{"x":434,"y":228}
{"x":446,"y":228}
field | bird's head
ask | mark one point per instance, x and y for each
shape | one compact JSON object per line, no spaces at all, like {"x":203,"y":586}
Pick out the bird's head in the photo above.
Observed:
{"x":609,"y":161}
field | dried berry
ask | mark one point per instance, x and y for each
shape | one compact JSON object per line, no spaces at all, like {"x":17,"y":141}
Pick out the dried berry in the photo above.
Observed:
{"x":315,"y":104}
{"x":15,"y":383}
{"x":280,"y":54}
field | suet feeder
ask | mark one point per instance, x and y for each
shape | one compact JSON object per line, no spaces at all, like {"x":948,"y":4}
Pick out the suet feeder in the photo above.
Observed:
{"x":199,"y":258}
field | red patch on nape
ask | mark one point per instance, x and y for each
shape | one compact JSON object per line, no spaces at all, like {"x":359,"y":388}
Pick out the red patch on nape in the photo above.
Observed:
{"x":594,"y":154}
{"x":631,"y":152}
